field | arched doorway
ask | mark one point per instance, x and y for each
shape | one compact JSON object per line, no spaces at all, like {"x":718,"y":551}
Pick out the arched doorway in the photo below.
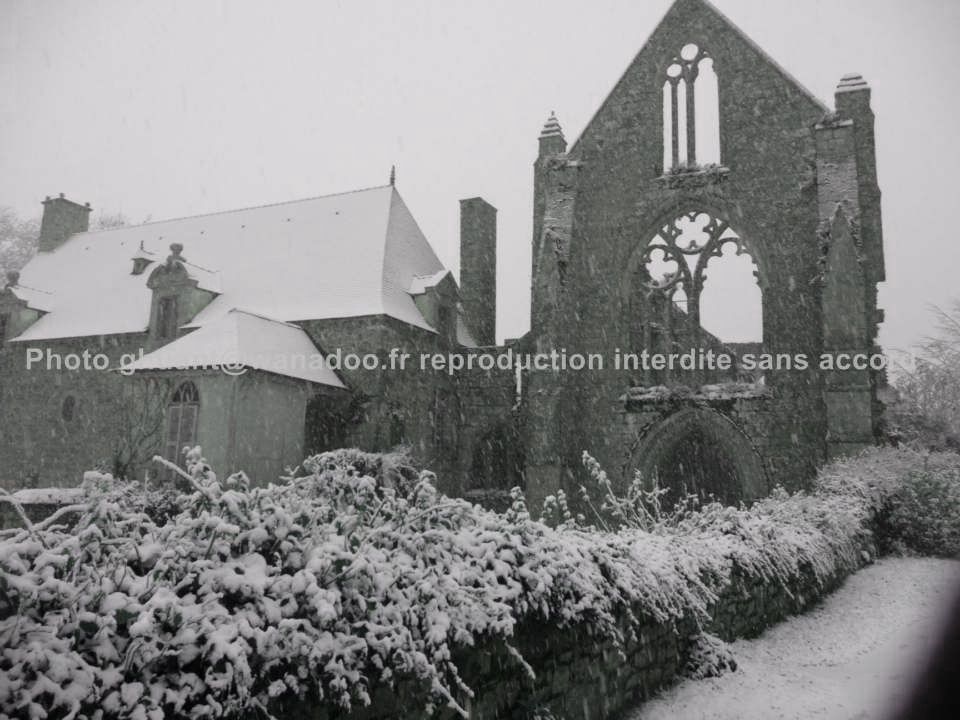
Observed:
{"x":700,"y":451}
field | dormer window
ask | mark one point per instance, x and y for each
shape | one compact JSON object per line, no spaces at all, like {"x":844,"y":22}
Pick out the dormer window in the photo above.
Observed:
{"x":167,"y":318}
{"x":180,"y":290}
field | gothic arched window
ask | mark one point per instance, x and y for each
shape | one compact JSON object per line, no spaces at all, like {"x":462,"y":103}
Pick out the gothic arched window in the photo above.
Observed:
{"x":691,"y":111}
{"x":677,"y":312}
{"x":182,"y":414}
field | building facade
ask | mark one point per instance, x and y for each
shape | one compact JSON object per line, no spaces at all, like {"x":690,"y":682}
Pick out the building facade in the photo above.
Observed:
{"x":705,"y":150}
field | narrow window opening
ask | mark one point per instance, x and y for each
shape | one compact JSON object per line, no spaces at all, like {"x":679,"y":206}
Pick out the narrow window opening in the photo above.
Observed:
{"x":691,"y":111}
{"x":68,"y":408}
{"x":731,"y":304}
{"x":707,"y":93}
{"x":668,"y":130}
{"x":398,"y":432}
{"x":681,"y":125}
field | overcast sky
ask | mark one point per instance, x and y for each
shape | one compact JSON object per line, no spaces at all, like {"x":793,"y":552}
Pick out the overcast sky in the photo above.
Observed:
{"x":164,"y":109}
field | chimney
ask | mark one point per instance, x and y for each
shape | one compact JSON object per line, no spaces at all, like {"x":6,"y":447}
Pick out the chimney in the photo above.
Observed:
{"x":61,"y":219}
{"x":478,"y":268}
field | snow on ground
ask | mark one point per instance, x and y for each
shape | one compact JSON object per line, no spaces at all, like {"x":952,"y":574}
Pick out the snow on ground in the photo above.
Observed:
{"x":850,"y":658}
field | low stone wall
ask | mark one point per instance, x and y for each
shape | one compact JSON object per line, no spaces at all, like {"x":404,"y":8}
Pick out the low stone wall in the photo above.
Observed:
{"x":35,"y":512}
{"x":37,"y":504}
{"x":580,"y":676}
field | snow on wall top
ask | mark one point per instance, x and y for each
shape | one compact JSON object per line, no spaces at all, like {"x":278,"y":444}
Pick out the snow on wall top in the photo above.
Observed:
{"x":344,"y":255}
{"x":238,"y":340}
{"x":49,"y":496}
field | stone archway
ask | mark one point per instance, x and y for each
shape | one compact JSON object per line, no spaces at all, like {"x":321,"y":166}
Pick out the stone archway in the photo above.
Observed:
{"x":701,"y":451}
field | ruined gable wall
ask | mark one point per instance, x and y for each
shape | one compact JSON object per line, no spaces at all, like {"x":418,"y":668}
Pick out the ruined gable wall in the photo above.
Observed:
{"x":769,"y":197}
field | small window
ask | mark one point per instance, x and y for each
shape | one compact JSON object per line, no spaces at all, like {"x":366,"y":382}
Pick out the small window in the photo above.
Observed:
{"x":397,"y":430}
{"x":68,"y":408}
{"x":445,"y":417}
{"x":167,"y":318}
{"x":4,"y":322}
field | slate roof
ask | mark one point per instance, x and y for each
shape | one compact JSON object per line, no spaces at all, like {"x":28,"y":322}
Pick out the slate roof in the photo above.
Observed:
{"x":344,"y":255}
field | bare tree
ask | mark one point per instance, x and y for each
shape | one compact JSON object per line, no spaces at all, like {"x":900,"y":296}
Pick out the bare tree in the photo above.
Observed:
{"x":108,"y":221}
{"x":18,"y":241}
{"x":928,"y":409}
{"x":140,"y":419}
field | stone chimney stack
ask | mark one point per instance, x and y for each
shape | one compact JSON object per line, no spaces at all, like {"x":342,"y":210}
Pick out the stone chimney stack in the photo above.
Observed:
{"x":61,"y":219}
{"x":852,"y":101}
{"x":478,"y":268}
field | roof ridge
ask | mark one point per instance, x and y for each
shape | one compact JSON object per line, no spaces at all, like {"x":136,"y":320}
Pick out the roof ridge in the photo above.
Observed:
{"x":260,"y":316}
{"x":233,"y":210}
{"x":199,"y":267}
{"x":29,"y":287}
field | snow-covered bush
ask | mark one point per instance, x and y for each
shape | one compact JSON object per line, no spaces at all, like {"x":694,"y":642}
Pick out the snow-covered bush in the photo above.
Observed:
{"x":357,"y":573}
{"x":924,"y":512}
{"x":707,"y":656}
{"x":319,"y":587}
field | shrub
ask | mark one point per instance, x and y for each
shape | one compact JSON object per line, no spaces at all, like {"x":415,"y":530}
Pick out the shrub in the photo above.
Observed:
{"x":358,"y":573}
{"x":707,"y":656}
{"x":924,"y":513}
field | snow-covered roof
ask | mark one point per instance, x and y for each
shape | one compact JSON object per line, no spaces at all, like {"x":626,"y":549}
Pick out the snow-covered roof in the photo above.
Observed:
{"x":206,"y":279}
{"x":239,"y":340}
{"x":422,"y":283}
{"x":344,"y":255}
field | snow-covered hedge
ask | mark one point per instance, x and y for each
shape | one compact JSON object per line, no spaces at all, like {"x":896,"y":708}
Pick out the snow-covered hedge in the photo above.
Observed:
{"x":359,"y":574}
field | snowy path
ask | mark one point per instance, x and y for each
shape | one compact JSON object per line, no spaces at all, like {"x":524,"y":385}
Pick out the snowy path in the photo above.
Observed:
{"x":847,"y":659}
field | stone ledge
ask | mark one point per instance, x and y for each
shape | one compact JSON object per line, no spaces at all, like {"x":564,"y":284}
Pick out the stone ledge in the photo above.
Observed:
{"x":695,"y":176}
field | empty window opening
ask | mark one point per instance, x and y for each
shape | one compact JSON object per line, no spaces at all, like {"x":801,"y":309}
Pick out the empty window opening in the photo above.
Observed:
{"x":691,"y":111}
{"x":731,"y":301}
{"x":700,"y":288}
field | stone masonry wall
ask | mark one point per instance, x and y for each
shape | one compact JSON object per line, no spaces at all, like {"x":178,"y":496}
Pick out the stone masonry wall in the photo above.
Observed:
{"x":40,"y":444}
{"x":580,"y":676}
{"x":768,"y":193}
